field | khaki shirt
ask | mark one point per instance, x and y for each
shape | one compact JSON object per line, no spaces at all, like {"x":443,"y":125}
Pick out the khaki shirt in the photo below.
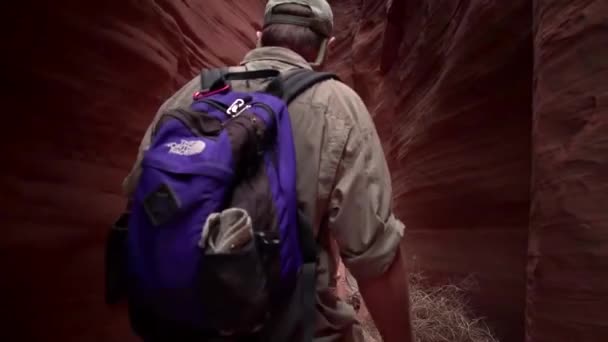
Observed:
{"x":343,"y":183}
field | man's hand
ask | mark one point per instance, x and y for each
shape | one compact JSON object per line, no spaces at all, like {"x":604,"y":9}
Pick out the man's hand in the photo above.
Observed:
{"x":388,"y":301}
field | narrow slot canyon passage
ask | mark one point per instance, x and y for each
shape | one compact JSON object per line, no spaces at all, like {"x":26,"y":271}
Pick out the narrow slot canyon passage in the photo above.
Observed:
{"x":493,"y":116}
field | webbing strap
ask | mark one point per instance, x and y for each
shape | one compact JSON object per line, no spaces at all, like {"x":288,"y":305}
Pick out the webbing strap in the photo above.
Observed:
{"x":308,"y":300}
{"x":288,"y":87}
{"x":294,"y":83}
{"x":298,"y":321}
{"x":308,"y":277}
{"x":251,"y":75}
{"x":217,"y":78}
{"x":210,"y":76}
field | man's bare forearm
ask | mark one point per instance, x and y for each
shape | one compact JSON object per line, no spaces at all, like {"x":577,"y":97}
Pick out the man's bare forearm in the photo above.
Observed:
{"x":388,"y":301}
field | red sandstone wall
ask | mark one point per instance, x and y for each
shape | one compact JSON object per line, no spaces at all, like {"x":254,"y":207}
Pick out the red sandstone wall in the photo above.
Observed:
{"x":450,"y":84}
{"x":89,"y":76}
{"x":452,"y":98}
{"x":567,"y":292}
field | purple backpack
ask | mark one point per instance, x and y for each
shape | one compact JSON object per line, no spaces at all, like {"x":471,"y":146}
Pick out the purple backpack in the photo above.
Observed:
{"x":227,"y":150}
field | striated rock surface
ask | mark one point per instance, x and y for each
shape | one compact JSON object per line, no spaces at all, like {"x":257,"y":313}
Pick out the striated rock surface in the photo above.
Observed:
{"x":87,"y":79}
{"x":449,"y":83}
{"x":467,"y":131}
{"x":567,"y":298}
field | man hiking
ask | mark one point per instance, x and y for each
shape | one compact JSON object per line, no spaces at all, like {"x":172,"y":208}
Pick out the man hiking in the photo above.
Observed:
{"x":343,"y":182}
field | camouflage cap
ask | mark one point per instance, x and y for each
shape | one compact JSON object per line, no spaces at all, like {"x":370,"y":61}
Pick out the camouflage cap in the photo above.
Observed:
{"x":321,"y":22}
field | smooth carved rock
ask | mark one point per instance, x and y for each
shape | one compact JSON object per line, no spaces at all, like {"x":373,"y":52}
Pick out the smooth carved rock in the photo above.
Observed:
{"x":484,"y":123}
{"x":87,"y":78}
{"x":449,"y":83}
{"x":567,"y":292}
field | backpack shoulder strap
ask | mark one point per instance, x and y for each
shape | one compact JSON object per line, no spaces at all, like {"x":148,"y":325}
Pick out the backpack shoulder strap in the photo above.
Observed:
{"x":300,"y":314}
{"x":288,"y":86}
{"x":293,"y":83}
{"x":297,"y":321}
{"x":210,"y":76}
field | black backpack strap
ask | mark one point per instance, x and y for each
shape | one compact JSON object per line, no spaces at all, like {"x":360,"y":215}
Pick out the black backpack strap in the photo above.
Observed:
{"x":297,"y":321}
{"x":308,"y":275}
{"x":297,"y":82}
{"x":293,"y":83}
{"x":115,"y":260}
{"x":219,"y":77}
{"x":299,"y":317}
{"x":210,"y":76}
{"x":288,"y":86}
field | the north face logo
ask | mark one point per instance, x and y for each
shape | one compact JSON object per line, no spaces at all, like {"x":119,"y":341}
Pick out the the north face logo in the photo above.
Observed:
{"x":186,"y":148}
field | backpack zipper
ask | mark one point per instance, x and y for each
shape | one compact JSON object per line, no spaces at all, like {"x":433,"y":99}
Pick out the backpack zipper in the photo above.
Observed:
{"x":215,"y":104}
{"x":266,"y":107}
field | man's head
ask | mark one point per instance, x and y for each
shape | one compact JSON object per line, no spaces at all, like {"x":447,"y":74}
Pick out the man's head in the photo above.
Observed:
{"x":304,"y":26}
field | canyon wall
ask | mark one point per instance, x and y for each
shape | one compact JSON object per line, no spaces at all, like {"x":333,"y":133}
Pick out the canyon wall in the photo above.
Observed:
{"x":485,"y":108}
{"x":567,"y":292}
{"x":86,"y":82}
{"x":449,"y":83}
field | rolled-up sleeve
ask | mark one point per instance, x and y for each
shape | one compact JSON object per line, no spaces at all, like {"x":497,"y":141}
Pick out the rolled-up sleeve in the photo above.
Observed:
{"x":360,"y":207}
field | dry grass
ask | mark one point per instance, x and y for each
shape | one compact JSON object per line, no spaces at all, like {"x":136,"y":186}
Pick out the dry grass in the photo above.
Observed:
{"x":439,"y":313}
